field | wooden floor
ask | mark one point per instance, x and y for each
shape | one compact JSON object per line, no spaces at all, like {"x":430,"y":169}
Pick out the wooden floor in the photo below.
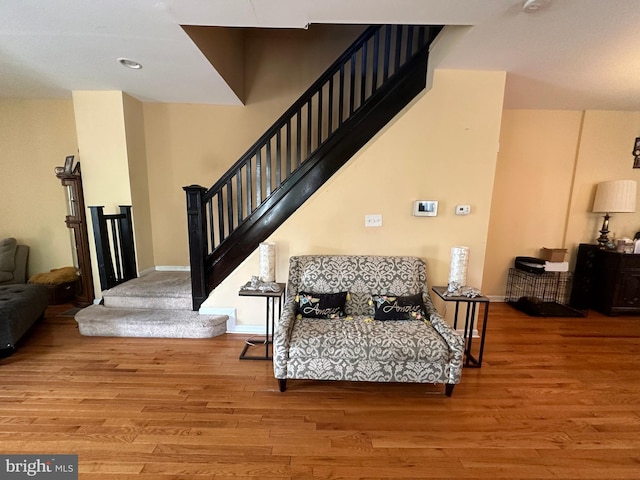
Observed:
{"x":555,"y":398}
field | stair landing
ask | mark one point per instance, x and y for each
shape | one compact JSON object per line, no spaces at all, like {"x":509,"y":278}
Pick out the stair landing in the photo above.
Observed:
{"x":157,"y":304}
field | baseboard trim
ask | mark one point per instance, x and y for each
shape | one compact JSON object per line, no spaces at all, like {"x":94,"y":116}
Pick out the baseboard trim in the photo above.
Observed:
{"x":474,"y":334}
{"x":247,"y":330}
{"x":147,"y":271}
{"x":164,"y":268}
{"x":172,"y":268}
{"x":232,"y":325}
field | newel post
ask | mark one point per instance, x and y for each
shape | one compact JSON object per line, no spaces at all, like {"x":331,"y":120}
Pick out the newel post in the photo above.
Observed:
{"x":128,"y":246}
{"x":197,"y":229}
{"x":103,"y":249}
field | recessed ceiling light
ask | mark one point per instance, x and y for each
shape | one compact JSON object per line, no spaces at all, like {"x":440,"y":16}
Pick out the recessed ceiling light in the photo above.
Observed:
{"x":532,"y":6}
{"x":125,"y":62}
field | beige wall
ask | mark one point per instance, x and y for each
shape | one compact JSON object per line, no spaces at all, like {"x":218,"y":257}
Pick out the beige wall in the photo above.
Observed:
{"x":604,"y":154}
{"x":35,"y":137}
{"x":532,"y":188}
{"x":102,"y":144}
{"x":423,"y":155}
{"x":110,"y":128}
{"x":548,"y":166}
{"x":138,"y":175}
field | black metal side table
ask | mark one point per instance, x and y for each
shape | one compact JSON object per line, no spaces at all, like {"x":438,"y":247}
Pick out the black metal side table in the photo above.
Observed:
{"x":270,"y":321}
{"x":470,"y":360}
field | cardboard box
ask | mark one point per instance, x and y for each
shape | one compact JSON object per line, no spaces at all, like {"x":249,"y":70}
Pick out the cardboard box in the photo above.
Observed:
{"x":553,"y":254}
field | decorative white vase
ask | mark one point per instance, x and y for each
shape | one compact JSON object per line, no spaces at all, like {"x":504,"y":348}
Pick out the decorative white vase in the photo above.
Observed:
{"x":459,"y":265}
{"x":267,"y":253}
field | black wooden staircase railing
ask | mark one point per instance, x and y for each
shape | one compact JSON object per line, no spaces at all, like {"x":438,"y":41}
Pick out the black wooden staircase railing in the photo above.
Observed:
{"x":379,"y":74}
{"x":115,"y":247}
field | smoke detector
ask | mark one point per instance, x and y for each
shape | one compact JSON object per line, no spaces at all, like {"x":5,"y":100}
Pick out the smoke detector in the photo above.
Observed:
{"x":531,"y":6}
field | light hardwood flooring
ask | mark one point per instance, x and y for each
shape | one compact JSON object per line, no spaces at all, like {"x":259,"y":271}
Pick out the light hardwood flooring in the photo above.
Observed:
{"x":556,"y":398}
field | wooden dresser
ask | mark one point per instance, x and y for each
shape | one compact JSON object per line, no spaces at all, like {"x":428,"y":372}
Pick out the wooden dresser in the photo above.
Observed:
{"x":606,"y":281}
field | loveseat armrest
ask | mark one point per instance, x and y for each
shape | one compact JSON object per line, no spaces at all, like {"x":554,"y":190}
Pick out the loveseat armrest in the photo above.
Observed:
{"x":282,"y":337}
{"x":455,"y":342}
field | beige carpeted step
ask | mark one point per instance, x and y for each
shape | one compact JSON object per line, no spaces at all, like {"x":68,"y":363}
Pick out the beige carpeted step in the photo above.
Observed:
{"x":102,"y":321}
{"x":155,"y":290}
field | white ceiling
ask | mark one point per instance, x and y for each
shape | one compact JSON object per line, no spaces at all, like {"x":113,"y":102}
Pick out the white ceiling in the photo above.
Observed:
{"x":573,"y":54}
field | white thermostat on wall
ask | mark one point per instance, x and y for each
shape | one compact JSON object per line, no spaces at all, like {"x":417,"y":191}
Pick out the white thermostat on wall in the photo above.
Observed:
{"x":425,"y":208}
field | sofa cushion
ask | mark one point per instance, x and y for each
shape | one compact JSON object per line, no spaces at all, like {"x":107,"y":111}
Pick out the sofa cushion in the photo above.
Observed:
{"x":320,"y":305}
{"x":393,"y":307}
{"x":8,"y":247}
{"x":20,"y":306}
{"x":364,"y":338}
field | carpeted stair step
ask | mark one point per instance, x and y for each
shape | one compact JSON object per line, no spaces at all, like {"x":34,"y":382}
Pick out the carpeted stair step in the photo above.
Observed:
{"x":102,"y":321}
{"x":155,"y":290}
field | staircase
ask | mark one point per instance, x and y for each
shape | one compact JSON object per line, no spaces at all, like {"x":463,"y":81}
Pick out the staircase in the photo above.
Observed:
{"x":157,"y":304}
{"x":370,"y":83}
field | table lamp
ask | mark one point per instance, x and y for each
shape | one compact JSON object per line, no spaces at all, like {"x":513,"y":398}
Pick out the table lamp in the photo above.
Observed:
{"x":614,"y":196}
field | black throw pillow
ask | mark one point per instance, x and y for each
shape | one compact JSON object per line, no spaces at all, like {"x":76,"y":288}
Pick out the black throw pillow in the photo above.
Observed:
{"x":394,"y":307}
{"x":320,"y":305}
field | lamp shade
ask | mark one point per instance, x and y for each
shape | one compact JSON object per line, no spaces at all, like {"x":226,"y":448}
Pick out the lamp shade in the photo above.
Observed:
{"x":615,"y":196}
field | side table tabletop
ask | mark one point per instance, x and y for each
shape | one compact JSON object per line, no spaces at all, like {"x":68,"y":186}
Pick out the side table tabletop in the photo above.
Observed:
{"x":472,"y":302}
{"x":270,"y":321}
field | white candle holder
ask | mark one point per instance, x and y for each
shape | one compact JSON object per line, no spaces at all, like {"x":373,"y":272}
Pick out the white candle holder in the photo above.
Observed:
{"x":458,"y":268}
{"x":267,"y":252}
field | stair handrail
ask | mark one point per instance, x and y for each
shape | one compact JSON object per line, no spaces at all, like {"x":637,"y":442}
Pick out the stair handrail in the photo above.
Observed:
{"x":352,"y":82}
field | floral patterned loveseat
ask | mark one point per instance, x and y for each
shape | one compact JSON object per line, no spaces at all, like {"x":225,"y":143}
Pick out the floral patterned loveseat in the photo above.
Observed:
{"x":354,"y":346}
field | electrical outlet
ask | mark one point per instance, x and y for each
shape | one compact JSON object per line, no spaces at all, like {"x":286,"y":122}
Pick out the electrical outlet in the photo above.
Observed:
{"x":373,"y":220}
